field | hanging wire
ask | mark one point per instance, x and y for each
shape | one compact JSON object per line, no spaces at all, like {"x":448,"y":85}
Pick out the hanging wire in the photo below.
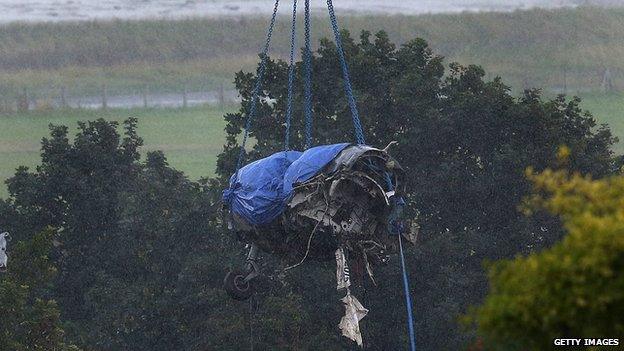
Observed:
{"x":291,"y":75}
{"x":359,"y":133}
{"x":408,"y":298}
{"x":251,"y":320}
{"x":398,"y":229}
{"x":256,"y":90}
{"x":308,"y":79}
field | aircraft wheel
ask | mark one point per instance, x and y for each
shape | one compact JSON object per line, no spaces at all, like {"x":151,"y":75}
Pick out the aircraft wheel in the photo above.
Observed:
{"x":236,"y":286}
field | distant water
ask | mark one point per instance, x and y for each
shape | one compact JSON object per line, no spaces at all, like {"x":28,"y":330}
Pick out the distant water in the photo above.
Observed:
{"x":72,"y":10}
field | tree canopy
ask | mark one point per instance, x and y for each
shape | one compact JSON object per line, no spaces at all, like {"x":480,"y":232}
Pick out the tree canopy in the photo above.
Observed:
{"x":464,"y":142}
{"x":30,"y":317}
{"x":141,"y":251}
{"x":574,"y":288}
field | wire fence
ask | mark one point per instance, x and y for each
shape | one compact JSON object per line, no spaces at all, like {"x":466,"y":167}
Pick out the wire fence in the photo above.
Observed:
{"x":560,"y":81}
{"x":63,"y":98}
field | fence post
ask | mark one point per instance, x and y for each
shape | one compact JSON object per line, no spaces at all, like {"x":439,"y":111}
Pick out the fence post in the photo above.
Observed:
{"x":184,"y":97}
{"x":221,"y":96}
{"x":525,"y":83}
{"x":565,"y":80}
{"x":145,"y":96}
{"x":6,"y":108}
{"x":104,"y":97}
{"x":607,"y":81}
{"x":63,"y":97}
{"x":22,"y":101}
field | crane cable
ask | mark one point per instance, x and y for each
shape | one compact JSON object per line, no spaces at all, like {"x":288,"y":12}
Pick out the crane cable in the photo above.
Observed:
{"x":257,"y":86}
{"x":408,"y":297}
{"x":359,"y":133}
{"x":291,"y":75}
{"x":397,"y":227}
{"x":307,"y":87}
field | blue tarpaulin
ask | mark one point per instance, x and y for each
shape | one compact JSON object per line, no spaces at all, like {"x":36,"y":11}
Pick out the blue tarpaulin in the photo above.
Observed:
{"x":260,"y":190}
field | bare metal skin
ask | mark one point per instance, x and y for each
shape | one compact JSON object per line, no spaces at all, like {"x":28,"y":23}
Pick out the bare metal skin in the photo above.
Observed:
{"x":4,"y":238}
{"x":347,"y":205}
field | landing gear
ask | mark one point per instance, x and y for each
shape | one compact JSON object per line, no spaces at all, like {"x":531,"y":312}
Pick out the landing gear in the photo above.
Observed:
{"x":238,"y":283}
{"x":236,"y":286}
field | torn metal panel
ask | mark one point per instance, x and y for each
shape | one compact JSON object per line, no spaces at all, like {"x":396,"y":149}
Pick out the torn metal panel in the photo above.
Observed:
{"x":350,"y":322}
{"x":4,"y":258}
{"x":343,"y":279}
{"x":347,"y":207}
{"x":354,"y":311}
{"x":346,"y":204}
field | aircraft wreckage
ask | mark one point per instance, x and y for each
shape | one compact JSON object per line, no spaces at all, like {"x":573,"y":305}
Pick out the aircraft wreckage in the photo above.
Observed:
{"x":4,"y":258}
{"x":338,"y":201}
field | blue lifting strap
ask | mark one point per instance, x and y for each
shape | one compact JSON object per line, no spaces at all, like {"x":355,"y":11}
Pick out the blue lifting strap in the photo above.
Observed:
{"x":291,"y":76}
{"x":307,"y":62}
{"x":359,"y":134}
{"x":408,"y":297}
{"x":397,"y":227}
{"x":258,"y":85}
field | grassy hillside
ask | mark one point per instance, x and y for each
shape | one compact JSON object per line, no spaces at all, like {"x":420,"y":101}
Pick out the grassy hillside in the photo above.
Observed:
{"x":191,"y":138}
{"x":609,"y":109}
{"x":528,"y":48}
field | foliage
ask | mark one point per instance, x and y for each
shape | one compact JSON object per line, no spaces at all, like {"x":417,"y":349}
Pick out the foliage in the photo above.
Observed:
{"x":30,"y":318}
{"x":141,"y":250}
{"x":190,"y":137}
{"x":575,"y":288}
{"x":120,"y":220}
{"x":464,"y":143}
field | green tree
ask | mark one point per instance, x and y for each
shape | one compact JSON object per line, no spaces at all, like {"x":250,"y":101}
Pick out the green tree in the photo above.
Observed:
{"x":77,"y":188}
{"x":30,"y":318}
{"x":464,"y":142}
{"x":575,"y":288}
{"x":142,"y":253}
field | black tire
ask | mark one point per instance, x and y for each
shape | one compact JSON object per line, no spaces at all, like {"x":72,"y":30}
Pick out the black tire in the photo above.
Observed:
{"x":236,"y":287}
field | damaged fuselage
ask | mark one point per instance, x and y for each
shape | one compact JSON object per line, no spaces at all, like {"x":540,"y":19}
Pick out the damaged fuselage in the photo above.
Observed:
{"x":338,"y":202}
{"x":349,"y":204}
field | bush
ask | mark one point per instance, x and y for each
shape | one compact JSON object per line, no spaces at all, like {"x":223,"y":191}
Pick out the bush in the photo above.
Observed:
{"x":464,"y":143}
{"x":574,"y":289}
{"x":30,"y":318}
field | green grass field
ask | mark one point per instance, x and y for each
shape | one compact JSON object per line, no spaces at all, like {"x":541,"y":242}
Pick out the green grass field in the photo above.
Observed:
{"x":527,"y":48}
{"x":609,"y":109}
{"x":190,"y":138}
